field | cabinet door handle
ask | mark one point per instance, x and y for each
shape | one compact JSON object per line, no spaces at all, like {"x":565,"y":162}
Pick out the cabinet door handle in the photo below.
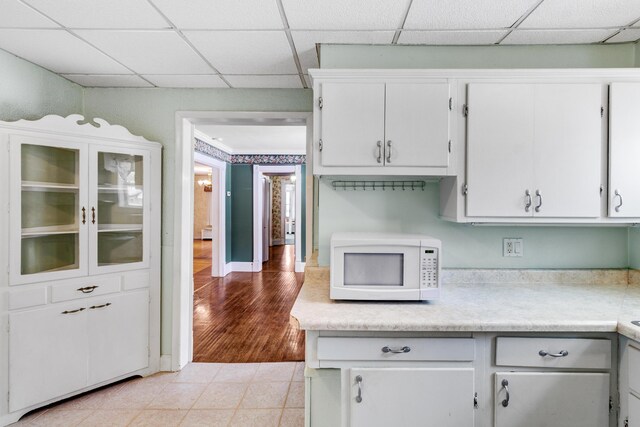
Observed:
{"x":87,"y":289}
{"x":527,"y":205}
{"x":389,"y":151}
{"x":562,"y":353}
{"x":73,"y":311}
{"x":387,"y":349}
{"x":505,"y":385}
{"x":93,"y":215}
{"x":84,"y":215}
{"x":539,"y":196}
{"x":359,"y":383}
{"x":617,"y":194}
{"x":93,"y":307}
{"x":379,"y":158}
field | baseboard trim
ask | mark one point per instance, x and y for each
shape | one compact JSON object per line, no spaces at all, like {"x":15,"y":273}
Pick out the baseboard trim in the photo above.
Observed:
{"x":230,"y":267}
{"x":277,"y":242}
{"x":165,"y":363}
{"x":299,"y":268}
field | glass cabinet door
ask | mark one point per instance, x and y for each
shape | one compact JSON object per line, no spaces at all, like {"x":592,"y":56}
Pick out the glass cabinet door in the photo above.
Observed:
{"x":119,"y":209}
{"x":49,"y":223}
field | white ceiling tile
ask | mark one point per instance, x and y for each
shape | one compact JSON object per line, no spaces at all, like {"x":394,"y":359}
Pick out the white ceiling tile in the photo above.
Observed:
{"x":305,"y":42}
{"x":101,"y":14}
{"x":345,"y":14}
{"x":245,"y":52}
{"x":219,"y":15}
{"x":451,"y":37}
{"x":58,"y":51}
{"x":583,"y":14}
{"x":629,"y":35}
{"x":556,"y":36}
{"x":272,"y":81}
{"x":465,"y":14}
{"x":104,"y":80}
{"x":189,"y":81}
{"x":18,"y":15}
{"x":148,"y":52}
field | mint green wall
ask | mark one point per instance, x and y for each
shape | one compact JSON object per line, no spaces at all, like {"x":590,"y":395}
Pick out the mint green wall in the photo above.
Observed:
{"x":28,"y":91}
{"x":242,"y":213}
{"x":638,"y":54}
{"x":540,"y":56}
{"x":466,"y":246}
{"x":634,"y":247}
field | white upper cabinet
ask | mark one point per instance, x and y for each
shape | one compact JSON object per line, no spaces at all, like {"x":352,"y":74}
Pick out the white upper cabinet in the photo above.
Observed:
{"x":534,"y":150}
{"x":382,"y":128}
{"x":624,"y":150}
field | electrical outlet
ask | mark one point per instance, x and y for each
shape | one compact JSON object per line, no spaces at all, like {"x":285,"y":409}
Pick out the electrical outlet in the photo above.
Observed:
{"x":512,"y":246}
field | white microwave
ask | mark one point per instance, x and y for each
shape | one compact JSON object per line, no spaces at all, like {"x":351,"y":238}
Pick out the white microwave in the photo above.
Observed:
{"x":385,"y":266}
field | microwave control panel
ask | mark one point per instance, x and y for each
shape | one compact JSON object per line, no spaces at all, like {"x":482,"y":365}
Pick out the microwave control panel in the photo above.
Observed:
{"x":428,"y":267}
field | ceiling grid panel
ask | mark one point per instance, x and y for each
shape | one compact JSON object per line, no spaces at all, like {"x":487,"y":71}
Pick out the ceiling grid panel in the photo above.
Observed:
{"x":287,"y":30}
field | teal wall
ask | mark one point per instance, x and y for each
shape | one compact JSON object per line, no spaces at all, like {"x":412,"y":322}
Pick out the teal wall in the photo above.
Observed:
{"x":242,"y":212}
{"x":634,"y":247}
{"x":467,"y":246}
{"x":30,"y":92}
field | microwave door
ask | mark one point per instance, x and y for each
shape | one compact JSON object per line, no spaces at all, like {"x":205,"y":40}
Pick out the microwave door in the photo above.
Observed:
{"x":374,"y":269}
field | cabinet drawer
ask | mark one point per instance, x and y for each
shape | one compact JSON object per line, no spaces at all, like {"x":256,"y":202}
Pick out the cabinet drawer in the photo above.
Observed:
{"x":634,"y":369}
{"x":428,"y":349}
{"x":576,"y":353}
{"x":27,"y":298}
{"x":83,"y":288}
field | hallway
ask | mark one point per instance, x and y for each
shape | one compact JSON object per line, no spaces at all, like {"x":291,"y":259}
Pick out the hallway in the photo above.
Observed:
{"x":244,"y":317}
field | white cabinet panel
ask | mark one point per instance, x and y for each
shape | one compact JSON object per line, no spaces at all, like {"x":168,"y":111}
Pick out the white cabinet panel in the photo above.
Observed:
{"x":634,"y":369}
{"x":417,"y":124}
{"x":118,"y":335}
{"x":500,"y":149}
{"x":43,"y":362}
{"x":411,"y":397}
{"x":624,"y":150}
{"x":552,"y":399}
{"x":634,"y":411}
{"x":567,"y":150}
{"x":352,"y":124}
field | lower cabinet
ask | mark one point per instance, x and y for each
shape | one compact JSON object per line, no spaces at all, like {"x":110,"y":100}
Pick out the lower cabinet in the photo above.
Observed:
{"x":634,"y":410}
{"x":411,"y":397}
{"x":542,"y":399}
{"x":104,"y":337}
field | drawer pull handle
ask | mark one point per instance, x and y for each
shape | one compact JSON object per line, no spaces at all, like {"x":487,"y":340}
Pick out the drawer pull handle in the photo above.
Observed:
{"x":387,"y":349}
{"x":563,"y":353}
{"x":87,"y":289}
{"x":93,"y":307}
{"x":505,"y":385}
{"x":73,"y":311}
{"x":359,"y":382}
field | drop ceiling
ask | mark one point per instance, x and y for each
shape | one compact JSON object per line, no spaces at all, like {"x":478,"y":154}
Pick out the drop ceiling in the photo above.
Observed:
{"x":272,"y":43}
{"x":256,"y":139}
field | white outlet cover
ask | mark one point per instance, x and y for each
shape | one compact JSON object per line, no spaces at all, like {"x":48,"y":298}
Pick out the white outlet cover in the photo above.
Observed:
{"x":512,"y":247}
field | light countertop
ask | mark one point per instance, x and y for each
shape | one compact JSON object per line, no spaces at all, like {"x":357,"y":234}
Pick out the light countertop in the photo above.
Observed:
{"x":578,"y":301}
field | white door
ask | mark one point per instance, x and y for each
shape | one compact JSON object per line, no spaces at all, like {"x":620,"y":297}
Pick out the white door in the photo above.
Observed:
{"x":500,"y":129}
{"x":266,"y":218}
{"x":352,"y":124}
{"x":119,"y":215}
{"x":567,"y":150}
{"x":417,"y":124}
{"x":49,"y":208}
{"x":47,"y":353}
{"x":537,"y":399}
{"x":118,"y":330}
{"x":624,"y":150}
{"x":430,"y":397}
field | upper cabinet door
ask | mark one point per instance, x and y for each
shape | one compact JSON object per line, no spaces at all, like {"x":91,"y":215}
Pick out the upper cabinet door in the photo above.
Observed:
{"x":500,"y":131}
{"x":119,"y":209}
{"x":624,"y":150}
{"x":48,"y":209}
{"x":567,"y":150}
{"x":417,"y":124}
{"x":352,"y":124}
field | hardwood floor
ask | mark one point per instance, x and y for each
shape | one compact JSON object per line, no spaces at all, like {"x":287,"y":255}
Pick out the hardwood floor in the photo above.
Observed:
{"x":244,"y":317}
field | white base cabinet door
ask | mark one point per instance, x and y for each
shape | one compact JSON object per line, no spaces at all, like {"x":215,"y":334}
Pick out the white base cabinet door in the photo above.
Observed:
{"x":428,"y":397}
{"x":537,"y":399}
{"x":43,"y":362}
{"x":634,"y":411}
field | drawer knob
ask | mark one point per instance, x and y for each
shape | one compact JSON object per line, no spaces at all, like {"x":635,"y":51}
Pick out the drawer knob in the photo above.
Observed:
{"x":87,"y":289}
{"x":387,"y":349}
{"x":562,"y":353}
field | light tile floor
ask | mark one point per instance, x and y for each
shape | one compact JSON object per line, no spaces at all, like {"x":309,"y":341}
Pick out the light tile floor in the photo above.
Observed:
{"x":202,"y":394}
